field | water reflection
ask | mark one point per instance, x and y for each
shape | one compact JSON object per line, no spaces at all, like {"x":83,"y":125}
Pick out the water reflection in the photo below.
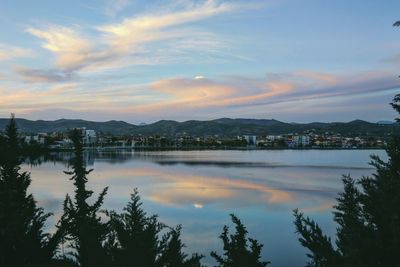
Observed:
{"x":200,"y":188}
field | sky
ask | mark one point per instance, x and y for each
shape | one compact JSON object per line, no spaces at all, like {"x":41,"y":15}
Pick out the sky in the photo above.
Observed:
{"x":143,"y":61}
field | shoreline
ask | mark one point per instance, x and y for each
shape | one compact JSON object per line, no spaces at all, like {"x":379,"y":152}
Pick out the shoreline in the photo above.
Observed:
{"x":105,"y":149}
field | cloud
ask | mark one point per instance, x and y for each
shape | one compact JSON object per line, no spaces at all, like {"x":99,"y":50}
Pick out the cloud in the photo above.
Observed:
{"x":297,"y":93}
{"x":394,"y":59}
{"x":8,"y":52}
{"x":153,"y":38}
{"x":44,"y":76}
{"x":121,"y":34}
{"x":275,"y":88}
{"x":70,"y":47}
{"x":115,"y":6}
{"x":193,"y":91}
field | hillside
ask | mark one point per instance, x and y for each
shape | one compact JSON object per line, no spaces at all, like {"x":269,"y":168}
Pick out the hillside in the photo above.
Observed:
{"x":63,"y":125}
{"x":223,"y":127}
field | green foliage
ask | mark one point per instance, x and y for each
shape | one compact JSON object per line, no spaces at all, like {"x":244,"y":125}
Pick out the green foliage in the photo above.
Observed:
{"x":368,"y":218}
{"x":23,"y":241}
{"x":396,"y":101}
{"x":136,"y":240}
{"x":172,"y":254}
{"x":239,"y":250}
{"x":81,"y":222}
{"x":134,"y":236}
{"x":353,"y":235}
{"x":322,"y":253}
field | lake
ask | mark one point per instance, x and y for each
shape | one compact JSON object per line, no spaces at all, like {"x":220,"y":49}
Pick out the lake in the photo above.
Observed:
{"x":199,"y":189}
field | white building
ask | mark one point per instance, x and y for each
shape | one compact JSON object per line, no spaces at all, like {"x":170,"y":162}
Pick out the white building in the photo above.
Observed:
{"x":251,"y":140}
{"x":301,"y":140}
{"x":89,"y":137}
{"x":40,"y":138}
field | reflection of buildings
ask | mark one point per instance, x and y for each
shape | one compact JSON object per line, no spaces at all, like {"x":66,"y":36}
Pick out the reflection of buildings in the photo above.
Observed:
{"x":89,"y":158}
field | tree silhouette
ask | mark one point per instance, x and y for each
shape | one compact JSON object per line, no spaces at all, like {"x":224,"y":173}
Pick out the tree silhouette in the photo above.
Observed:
{"x":81,"y":223}
{"x":367,"y":214}
{"x":237,"y":251}
{"x":395,"y":104}
{"x":172,"y":254}
{"x":322,"y":253}
{"x":134,"y":238}
{"x":23,"y":241}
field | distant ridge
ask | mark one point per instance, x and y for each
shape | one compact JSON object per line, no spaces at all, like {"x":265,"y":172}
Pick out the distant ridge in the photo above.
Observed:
{"x":223,"y":127}
{"x":385,"y":122}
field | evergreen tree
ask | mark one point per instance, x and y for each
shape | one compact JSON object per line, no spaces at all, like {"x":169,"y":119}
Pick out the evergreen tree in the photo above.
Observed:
{"x":172,"y":254}
{"x":134,"y":240}
{"x":23,"y":241}
{"x":239,"y":250}
{"x":81,"y":222}
{"x":353,"y":234}
{"x":368,"y":217}
{"x":322,"y":253}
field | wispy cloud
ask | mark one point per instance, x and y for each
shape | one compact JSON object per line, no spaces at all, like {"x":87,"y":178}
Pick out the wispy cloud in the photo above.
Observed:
{"x":115,"y":6}
{"x":9,"y":52}
{"x":110,"y":66}
{"x":153,"y":38}
{"x":71,"y":49}
{"x":394,"y":59}
{"x":275,"y":88}
{"x":295,"y":93}
{"x":43,"y":76}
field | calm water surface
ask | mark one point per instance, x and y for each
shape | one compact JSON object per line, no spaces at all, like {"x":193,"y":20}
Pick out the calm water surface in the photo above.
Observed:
{"x":199,"y":189}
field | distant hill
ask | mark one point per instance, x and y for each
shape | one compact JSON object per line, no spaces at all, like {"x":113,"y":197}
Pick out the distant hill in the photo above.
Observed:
{"x":63,"y":125}
{"x":222,"y":127}
{"x":385,"y":122}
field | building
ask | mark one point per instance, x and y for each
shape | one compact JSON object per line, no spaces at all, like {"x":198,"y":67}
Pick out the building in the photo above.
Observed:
{"x":39,"y":138}
{"x":301,"y":140}
{"x":251,"y":140}
{"x":89,"y":137}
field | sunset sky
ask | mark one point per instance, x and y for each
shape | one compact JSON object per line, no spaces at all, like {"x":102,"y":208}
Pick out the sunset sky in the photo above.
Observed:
{"x":142,"y":61}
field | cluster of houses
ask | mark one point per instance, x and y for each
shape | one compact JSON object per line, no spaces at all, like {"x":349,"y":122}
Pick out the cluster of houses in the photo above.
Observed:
{"x":292,"y":140}
{"x":326,"y":140}
{"x":60,"y":140}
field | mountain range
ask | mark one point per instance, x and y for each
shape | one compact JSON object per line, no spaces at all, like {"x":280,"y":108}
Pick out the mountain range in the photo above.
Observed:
{"x":222,"y":127}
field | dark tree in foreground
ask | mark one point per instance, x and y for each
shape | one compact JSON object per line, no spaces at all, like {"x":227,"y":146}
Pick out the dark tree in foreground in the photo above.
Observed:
{"x":134,"y":238}
{"x":311,"y":237}
{"x":368,"y":218}
{"x":81,"y":223}
{"x":237,"y":252}
{"x":23,"y":241}
{"x":172,"y":254}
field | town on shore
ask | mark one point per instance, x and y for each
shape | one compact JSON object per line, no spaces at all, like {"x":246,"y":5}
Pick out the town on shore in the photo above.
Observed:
{"x":96,"y":140}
